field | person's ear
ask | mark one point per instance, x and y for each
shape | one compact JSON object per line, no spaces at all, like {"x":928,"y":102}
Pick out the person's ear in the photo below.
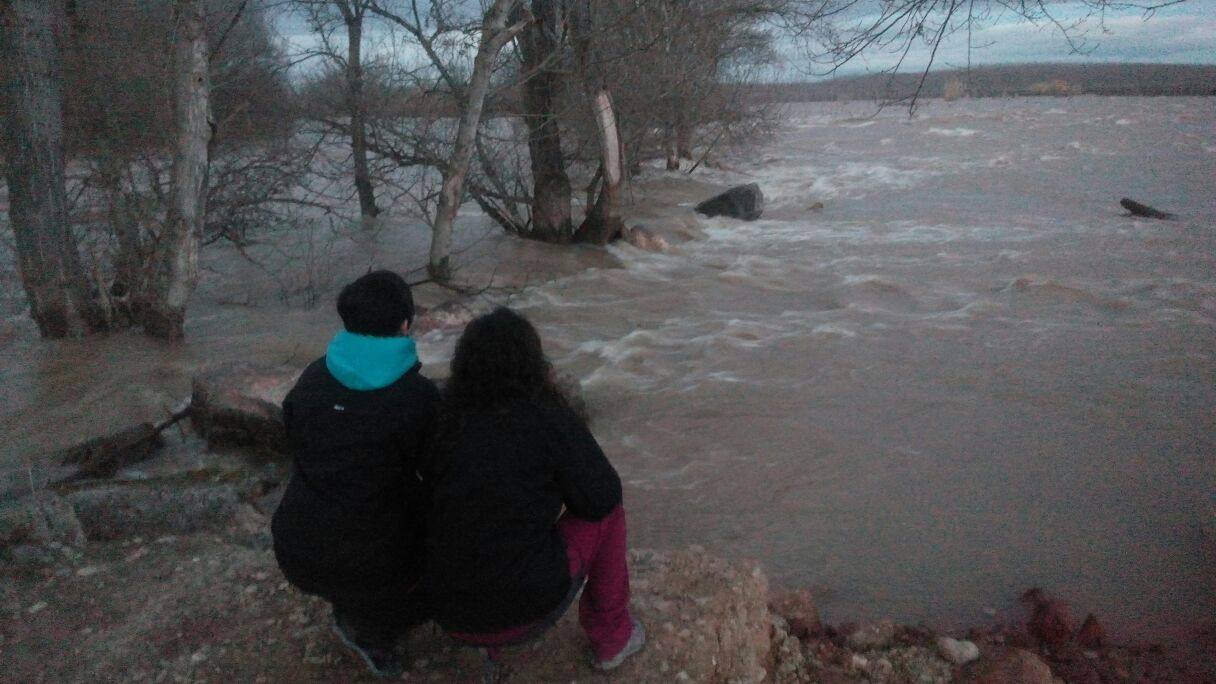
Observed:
{"x":405,"y":327}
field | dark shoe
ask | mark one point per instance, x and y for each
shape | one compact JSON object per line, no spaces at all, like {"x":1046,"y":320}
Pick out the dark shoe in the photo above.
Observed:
{"x":383,"y":662}
{"x":637,"y":639}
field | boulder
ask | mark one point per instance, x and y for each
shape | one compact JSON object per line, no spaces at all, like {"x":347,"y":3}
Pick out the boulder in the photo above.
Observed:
{"x":957,"y":652}
{"x":38,"y":520}
{"x":871,"y":636}
{"x":241,"y":404}
{"x":1091,"y":634}
{"x":742,"y":202}
{"x":1050,"y":620}
{"x":645,"y":239}
{"x":798,"y":610}
{"x":1007,"y":666}
{"x":148,"y":509}
{"x":450,"y":316}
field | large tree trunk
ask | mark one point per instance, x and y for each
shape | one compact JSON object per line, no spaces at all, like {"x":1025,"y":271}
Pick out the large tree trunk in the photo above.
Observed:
{"x":540,"y":48}
{"x":175,"y":261}
{"x":32,"y":98}
{"x":494,"y":35}
{"x":602,"y":222}
{"x":356,"y":109}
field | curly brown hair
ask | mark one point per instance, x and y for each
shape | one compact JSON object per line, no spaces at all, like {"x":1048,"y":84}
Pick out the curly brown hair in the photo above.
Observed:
{"x":499,"y":362}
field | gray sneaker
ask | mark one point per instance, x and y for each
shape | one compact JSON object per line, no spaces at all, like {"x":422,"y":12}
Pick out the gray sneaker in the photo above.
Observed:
{"x":382,"y":662}
{"x":636,"y":641}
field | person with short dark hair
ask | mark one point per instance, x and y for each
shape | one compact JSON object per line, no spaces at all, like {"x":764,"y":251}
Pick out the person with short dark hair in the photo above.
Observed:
{"x":351,"y":525}
{"x":525,"y":506}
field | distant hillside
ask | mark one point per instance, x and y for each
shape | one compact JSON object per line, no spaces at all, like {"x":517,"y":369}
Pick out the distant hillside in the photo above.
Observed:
{"x":1011,"y":80}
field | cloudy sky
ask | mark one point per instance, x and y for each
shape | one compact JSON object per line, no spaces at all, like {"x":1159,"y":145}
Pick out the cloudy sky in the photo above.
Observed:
{"x":1182,"y":33}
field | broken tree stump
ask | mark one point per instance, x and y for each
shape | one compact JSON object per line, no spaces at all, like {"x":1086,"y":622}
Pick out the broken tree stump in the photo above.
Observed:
{"x":1136,"y":209}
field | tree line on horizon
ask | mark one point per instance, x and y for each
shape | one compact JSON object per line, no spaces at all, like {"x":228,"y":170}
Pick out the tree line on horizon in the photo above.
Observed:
{"x":137,"y":132}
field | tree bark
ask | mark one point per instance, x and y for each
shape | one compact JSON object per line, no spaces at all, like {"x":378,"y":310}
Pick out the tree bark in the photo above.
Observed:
{"x":175,"y":260}
{"x":540,"y":47}
{"x":683,"y":137}
{"x":356,"y":109}
{"x":51,"y":271}
{"x":494,"y":35}
{"x":602,"y":222}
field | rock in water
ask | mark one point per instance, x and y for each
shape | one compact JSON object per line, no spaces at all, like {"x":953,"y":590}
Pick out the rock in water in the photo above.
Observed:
{"x":957,"y":652}
{"x":798,"y":610}
{"x":742,"y":202}
{"x":1008,"y":666}
{"x":450,"y":316}
{"x":241,"y":404}
{"x":871,"y":636}
{"x":1137,"y":209}
{"x":1091,"y":634}
{"x":642,"y":238}
{"x":1050,"y":620}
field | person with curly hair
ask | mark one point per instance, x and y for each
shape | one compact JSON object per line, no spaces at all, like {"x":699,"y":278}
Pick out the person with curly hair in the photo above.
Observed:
{"x":525,"y":507}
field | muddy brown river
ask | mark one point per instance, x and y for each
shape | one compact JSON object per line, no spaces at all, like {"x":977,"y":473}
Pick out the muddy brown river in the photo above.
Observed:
{"x":966,"y":375}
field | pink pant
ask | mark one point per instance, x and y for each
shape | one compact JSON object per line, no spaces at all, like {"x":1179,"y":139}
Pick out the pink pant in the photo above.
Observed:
{"x":597,"y":549}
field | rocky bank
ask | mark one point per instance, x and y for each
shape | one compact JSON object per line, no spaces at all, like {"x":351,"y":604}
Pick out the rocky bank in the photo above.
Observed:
{"x":163,"y":572}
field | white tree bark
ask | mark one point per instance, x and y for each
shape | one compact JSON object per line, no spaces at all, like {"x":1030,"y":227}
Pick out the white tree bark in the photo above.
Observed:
{"x":176,"y":257}
{"x":495,"y":33}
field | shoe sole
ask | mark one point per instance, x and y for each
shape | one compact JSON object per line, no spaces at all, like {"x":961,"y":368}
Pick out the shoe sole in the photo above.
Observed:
{"x":341,"y":634}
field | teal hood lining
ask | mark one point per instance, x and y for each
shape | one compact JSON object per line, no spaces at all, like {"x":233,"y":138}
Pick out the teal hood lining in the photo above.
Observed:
{"x":365,"y":362}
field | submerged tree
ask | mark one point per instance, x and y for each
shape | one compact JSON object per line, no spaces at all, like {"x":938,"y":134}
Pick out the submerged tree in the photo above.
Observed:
{"x":162,"y":308}
{"x":51,"y":271}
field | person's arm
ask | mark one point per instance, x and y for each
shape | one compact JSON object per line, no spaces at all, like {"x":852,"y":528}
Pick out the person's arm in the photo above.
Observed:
{"x":590,"y":486}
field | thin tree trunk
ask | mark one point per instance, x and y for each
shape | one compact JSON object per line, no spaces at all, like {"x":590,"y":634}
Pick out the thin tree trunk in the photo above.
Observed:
{"x":494,"y":35}
{"x":32,"y":98}
{"x":683,"y":134}
{"x":602,"y":222}
{"x":356,"y":109}
{"x":669,"y":149}
{"x":540,"y":48}
{"x":175,"y":261}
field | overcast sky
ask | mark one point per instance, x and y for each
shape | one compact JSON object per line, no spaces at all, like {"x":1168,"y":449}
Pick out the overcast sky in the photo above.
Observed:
{"x":1184,"y":33}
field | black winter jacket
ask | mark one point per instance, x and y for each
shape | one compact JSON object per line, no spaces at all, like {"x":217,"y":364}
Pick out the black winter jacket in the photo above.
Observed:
{"x":494,"y":556}
{"x":353,"y":516}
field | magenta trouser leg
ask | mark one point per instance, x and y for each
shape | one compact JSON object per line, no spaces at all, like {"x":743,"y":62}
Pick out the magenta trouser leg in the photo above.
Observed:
{"x":597,"y":549}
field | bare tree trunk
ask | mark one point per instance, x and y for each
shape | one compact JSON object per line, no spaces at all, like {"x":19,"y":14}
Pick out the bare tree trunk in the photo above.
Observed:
{"x":683,"y":134}
{"x":51,"y":272}
{"x":540,"y":47}
{"x":175,"y":261}
{"x":602,"y":222}
{"x":494,"y":35}
{"x":356,"y":109}
{"x":669,"y":149}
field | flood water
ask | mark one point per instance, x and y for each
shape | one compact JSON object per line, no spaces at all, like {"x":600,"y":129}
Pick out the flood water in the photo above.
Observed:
{"x":966,"y":375}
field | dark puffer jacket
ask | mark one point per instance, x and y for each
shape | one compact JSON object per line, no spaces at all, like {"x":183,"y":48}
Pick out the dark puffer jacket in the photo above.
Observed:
{"x":353,"y":516}
{"x":495,"y":559}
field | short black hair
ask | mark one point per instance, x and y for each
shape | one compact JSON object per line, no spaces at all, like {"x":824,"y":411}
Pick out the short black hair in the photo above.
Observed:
{"x":376,"y":304}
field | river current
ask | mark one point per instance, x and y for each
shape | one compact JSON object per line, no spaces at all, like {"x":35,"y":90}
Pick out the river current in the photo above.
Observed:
{"x":967,"y":374}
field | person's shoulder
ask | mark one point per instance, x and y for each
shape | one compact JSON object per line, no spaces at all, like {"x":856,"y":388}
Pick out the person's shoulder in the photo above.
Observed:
{"x":414,"y":381}
{"x":314,"y":376}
